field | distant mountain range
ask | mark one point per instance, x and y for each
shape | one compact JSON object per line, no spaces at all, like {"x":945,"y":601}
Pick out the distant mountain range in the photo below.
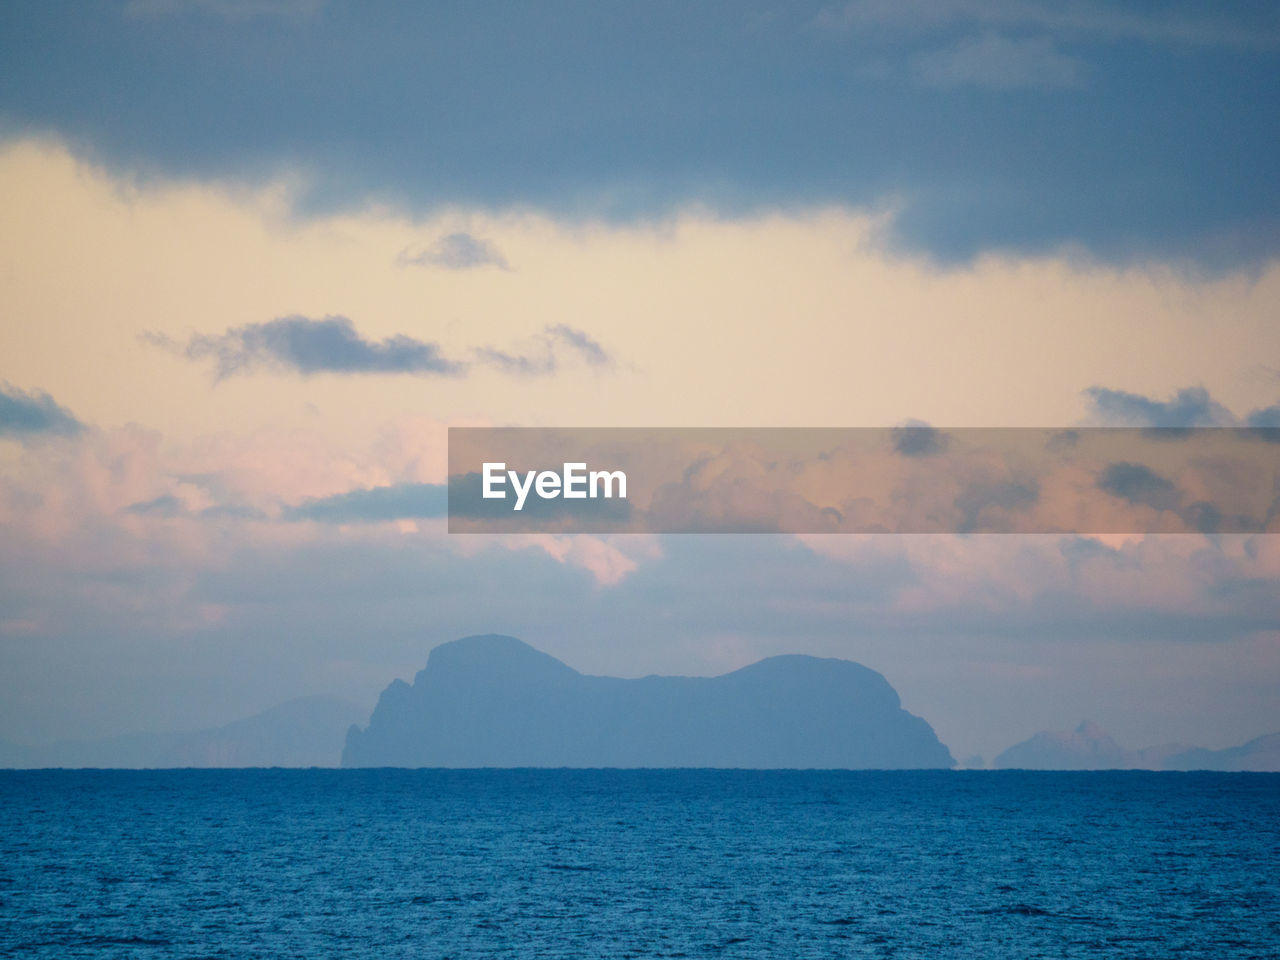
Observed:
{"x":1089,"y":747}
{"x":493,"y":701}
{"x":301,"y":733}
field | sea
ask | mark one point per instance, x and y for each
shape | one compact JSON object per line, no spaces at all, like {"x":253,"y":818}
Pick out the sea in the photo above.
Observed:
{"x":638,"y":863}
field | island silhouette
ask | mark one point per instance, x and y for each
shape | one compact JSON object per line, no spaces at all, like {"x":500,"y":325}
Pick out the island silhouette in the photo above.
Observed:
{"x":495,"y":701}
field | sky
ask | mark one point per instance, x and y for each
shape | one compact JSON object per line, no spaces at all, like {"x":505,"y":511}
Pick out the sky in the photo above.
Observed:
{"x":258,"y":255}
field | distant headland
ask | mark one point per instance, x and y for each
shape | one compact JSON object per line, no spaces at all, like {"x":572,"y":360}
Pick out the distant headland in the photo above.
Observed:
{"x":494,"y":701}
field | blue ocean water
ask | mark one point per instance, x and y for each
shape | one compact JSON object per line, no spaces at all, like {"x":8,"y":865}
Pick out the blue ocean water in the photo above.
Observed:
{"x":562,"y":863}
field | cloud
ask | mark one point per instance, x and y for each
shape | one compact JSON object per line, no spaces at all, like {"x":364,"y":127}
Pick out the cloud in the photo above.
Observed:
{"x":457,"y":251}
{"x":333,"y":345}
{"x":166,"y":506}
{"x":1189,"y":407}
{"x":169,"y":507}
{"x":979,"y":500}
{"x":1073,"y":17}
{"x":1139,"y":484}
{"x":1111,"y":176}
{"x":230,"y":9}
{"x":305,"y":346}
{"x":403,"y":501}
{"x":546,"y":355}
{"x":113,"y":591}
{"x":995,"y":62}
{"x":590,"y":350}
{"x":25,"y":414}
{"x":917,"y":439}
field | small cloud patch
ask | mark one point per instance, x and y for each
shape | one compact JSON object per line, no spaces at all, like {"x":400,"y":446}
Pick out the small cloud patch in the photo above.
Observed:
{"x":306,"y":346}
{"x":917,"y":439}
{"x":457,"y":251}
{"x":1190,"y":407}
{"x":166,"y":506}
{"x":548,"y":352}
{"x":33,"y":414}
{"x":406,"y":501}
{"x":996,"y":62}
{"x":1139,"y":484}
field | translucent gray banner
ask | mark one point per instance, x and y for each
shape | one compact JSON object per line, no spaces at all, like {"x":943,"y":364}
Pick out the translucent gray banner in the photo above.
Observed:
{"x":864,"y":480}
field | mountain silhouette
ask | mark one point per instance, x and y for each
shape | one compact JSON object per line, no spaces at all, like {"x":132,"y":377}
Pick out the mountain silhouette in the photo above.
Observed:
{"x":1260,"y":753}
{"x":306,"y":732}
{"x":494,"y":701}
{"x":1089,"y":747}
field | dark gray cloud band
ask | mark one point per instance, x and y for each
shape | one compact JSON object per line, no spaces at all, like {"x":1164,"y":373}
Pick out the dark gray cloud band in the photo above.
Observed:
{"x":1100,"y":127}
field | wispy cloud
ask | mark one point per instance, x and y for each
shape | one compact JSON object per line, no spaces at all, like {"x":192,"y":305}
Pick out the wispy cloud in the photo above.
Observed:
{"x":166,"y":506}
{"x":1081,"y":17}
{"x":544,"y":357}
{"x":230,"y":9}
{"x":25,"y":414}
{"x":457,"y":251}
{"x":333,"y":345}
{"x":306,"y":346}
{"x":995,"y":62}
{"x":170,"y":507}
{"x":375,"y":505}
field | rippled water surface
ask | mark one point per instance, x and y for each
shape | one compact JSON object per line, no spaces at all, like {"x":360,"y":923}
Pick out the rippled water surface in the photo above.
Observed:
{"x":389,"y":863}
